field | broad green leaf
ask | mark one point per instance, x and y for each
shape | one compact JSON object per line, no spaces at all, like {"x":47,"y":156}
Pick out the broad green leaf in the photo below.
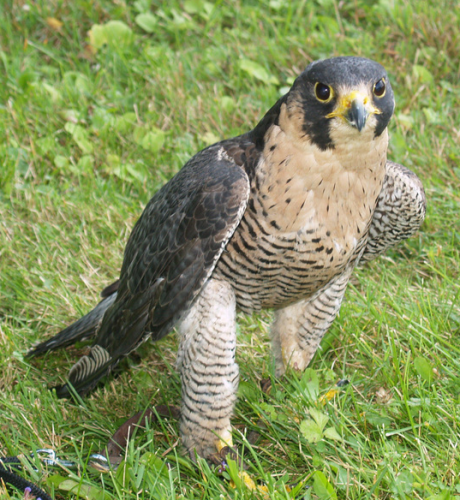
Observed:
{"x":406,"y":121}
{"x":61,"y":161}
{"x":331,"y":433}
{"x":125,"y":123}
{"x":445,"y":495}
{"x":45,"y":144}
{"x":97,"y":36}
{"x":278,"y":4}
{"x":341,"y":476}
{"x":26,"y":79}
{"x":147,"y":21}
{"x":155,"y":463}
{"x":55,"y":480}
{"x":140,"y":175}
{"x":227,"y":103}
{"x":257,"y":71}
{"x":71,"y":128}
{"x":311,"y":431}
{"x":194,"y":6}
{"x":153,"y":140}
{"x":320,"y":418}
{"x":142,"y":5}
{"x":52,"y":91}
{"x":270,"y":410}
{"x":116,"y":34}
{"x":254,"y":69}
{"x":71,"y":115}
{"x":403,"y":482}
{"x":201,"y":7}
{"x":179,"y":22}
{"x":155,"y":53}
{"x":209,"y":138}
{"x":139,"y":134}
{"x":113,"y":160}
{"x":422,"y":74}
{"x":378,"y":419}
{"x":323,"y":488}
{"x":101,"y":119}
{"x":83,"y":490}
{"x":328,"y":24}
{"x":423,"y":368}
{"x":80,"y":136}
{"x":430,"y":115}
{"x":247,"y":391}
{"x":12,"y":159}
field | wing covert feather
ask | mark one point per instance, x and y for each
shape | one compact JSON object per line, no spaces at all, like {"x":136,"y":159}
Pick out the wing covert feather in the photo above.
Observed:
{"x":170,"y":254}
{"x":180,"y":236}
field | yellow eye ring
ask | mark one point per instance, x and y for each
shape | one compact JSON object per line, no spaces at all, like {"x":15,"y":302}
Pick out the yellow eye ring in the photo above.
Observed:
{"x":323,"y":92}
{"x":380,"y":88}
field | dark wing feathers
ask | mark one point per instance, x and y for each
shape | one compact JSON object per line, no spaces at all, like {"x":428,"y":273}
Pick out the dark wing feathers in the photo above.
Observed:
{"x":171,"y":252}
{"x":83,"y":329}
{"x":109,"y":290}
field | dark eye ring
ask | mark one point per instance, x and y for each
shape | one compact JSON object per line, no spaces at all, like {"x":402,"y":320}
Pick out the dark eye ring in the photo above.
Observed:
{"x":323,"y":92}
{"x":380,"y":88}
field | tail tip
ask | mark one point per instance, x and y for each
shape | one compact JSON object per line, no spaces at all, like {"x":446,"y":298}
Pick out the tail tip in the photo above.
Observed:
{"x":40,"y":348}
{"x":62,"y":391}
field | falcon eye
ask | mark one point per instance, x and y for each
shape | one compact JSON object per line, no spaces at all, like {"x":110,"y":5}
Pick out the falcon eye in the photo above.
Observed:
{"x":323,"y":92}
{"x":380,"y":88}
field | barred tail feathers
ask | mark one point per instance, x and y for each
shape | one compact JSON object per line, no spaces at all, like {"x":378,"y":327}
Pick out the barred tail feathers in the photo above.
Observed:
{"x":87,"y":372}
{"x":121,"y":331}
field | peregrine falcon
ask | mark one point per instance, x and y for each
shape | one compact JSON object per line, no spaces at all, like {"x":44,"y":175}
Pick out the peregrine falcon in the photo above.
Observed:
{"x":275,"y":218}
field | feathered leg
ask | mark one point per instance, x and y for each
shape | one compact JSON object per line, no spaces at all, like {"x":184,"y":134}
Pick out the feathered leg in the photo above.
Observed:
{"x":298,"y":329}
{"x":209,"y":373}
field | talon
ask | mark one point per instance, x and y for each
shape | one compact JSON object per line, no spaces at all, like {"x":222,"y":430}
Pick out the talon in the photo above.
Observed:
{"x":220,"y":458}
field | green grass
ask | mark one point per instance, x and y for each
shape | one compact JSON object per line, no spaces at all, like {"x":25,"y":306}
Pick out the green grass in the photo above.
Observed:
{"x":86,"y":138}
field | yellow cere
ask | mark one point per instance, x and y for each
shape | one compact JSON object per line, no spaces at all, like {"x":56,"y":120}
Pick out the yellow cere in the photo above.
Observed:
{"x":346,"y":101}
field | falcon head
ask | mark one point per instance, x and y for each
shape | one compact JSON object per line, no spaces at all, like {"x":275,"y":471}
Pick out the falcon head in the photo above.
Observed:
{"x":340,"y":99}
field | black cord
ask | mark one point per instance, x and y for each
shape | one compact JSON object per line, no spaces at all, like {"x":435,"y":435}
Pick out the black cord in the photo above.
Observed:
{"x":11,"y":478}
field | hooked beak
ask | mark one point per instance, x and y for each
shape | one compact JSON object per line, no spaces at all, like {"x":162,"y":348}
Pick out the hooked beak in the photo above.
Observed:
{"x":357,"y":114}
{"x":354,"y":108}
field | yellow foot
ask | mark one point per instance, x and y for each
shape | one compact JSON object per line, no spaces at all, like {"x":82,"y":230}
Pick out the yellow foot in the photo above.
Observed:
{"x":224,"y":440}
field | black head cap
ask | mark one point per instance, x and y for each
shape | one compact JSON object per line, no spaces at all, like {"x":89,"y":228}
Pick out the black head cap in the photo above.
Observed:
{"x":338,"y":73}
